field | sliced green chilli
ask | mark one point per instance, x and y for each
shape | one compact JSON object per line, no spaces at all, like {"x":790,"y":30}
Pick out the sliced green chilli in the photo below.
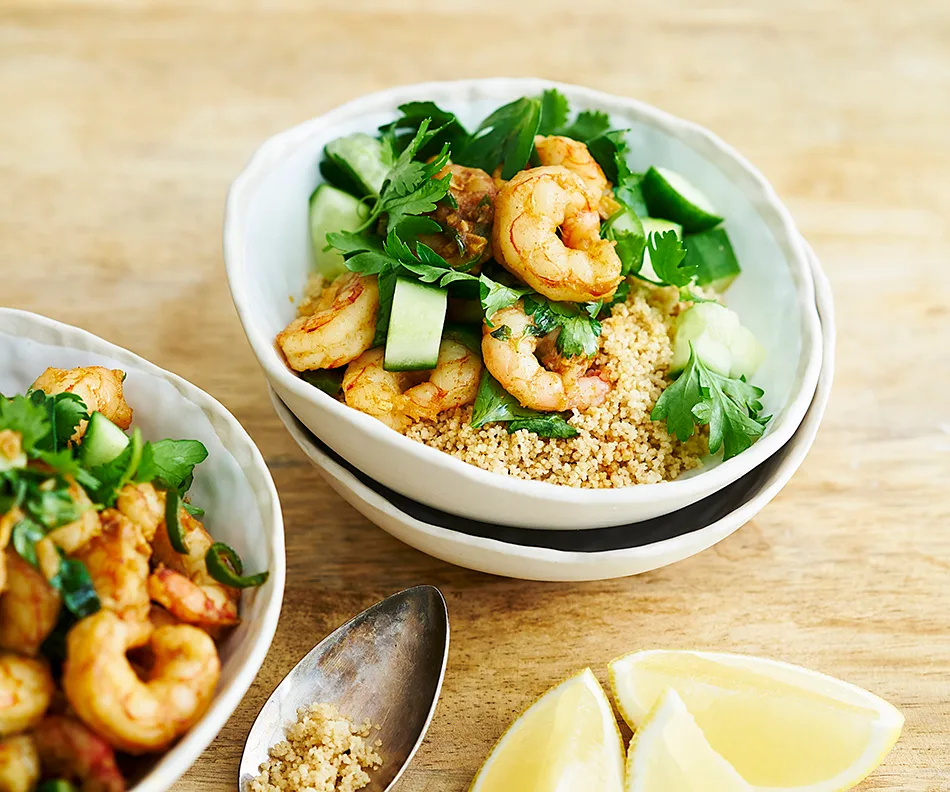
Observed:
{"x":176,"y":536}
{"x":224,"y":565}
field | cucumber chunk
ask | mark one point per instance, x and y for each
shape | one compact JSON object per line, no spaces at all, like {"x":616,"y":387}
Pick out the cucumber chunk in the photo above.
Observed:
{"x":719,"y":339}
{"x":102,"y":443}
{"x":627,"y":229}
{"x":653,"y":226}
{"x":357,"y":163}
{"x":415,"y":326}
{"x":670,"y":196}
{"x":716,"y":263}
{"x":332,"y":210}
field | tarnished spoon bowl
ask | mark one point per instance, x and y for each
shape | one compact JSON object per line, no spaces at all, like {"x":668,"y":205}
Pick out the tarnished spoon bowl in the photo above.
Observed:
{"x":385,"y":665}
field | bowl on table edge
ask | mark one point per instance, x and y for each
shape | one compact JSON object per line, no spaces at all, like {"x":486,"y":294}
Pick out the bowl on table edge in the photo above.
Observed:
{"x":268,"y":256}
{"x":233,"y":484}
{"x":595,"y":554}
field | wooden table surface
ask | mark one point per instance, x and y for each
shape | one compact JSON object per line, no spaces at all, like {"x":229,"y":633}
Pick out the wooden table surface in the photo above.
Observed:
{"x":122,"y":124}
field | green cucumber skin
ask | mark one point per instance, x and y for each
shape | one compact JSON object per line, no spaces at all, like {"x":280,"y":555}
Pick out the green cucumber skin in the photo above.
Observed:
{"x":102,"y":442}
{"x":355,"y":163}
{"x":712,"y":251}
{"x":664,"y":202}
{"x":331,"y":209}
{"x":415,"y":326}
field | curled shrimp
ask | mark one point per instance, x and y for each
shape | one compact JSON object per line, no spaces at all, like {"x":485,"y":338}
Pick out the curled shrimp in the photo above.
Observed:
{"x":397,"y":398}
{"x":26,"y":689}
{"x":143,"y":505}
{"x":69,"y":750}
{"x":576,"y":157}
{"x":117,"y":562}
{"x":29,"y":607}
{"x":467,"y":219}
{"x":135,"y":715}
{"x":99,"y":388}
{"x":19,"y":764}
{"x":341,"y":327}
{"x":181,"y":582}
{"x":547,"y":233}
{"x":513,"y":362}
{"x":7,"y":521}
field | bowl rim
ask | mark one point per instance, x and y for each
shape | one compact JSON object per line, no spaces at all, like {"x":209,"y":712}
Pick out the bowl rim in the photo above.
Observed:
{"x":280,"y":145}
{"x":187,"y":750}
{"x":679,"y":548}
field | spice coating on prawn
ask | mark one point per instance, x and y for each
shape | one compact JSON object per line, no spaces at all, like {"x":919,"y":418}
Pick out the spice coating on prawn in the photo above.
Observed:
{"x":547,"y":233}
{"x":99,"y":388}
{"x":26,"y":689}
{"x":513,"y":362}
{"x":19,"y":764}
{"x":135,"y":715}
{"x":68,"y":750}
{"x":339,"y":330}
{"x":576,"y":157}
{"x":29,"y":607}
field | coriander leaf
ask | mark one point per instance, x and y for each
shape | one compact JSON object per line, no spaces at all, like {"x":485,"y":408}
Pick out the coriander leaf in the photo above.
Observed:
{"x":65,"y":411}
{"x":411,"y":228}
{"x":368,"y":263}
{"x":194,"y":511}
{"x":588,"y":125}
{"x":623,"y":291}
{"x":72,"y":581}
{"x":701,"y":396}
{"x":554,"y":110}
{"x":579,"y":336}
{"x":171,"y":462}
{"x":496,"y":296}
{"x":610,"y":151}
{"x":493,"y":403}
{"x":544,"y":426}
{"x":330,"y":381}
{"x":628,"y":192}
{"x":65,"y":464}
{"x":677,"y":401}
{"x":348,"y":242}
{"x":30,"y":420}
{"x":53,"y":508}
{"x":450,"y":130}
{"x":422,"y":200}
{"x":503,"y":333}
{"x":506,"y":137}
{"x":667,"y":257}
{"x":24,"y":536}
{"x":625,"y":228}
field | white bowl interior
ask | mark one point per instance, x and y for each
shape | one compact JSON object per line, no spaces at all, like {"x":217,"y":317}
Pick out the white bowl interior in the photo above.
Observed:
{"x":232,"y":485}
{"x":768,"y":296}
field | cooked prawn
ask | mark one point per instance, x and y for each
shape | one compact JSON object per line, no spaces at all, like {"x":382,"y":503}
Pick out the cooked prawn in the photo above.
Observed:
{"x":100,"y":388}
{"x":452,"y":383}
{"x":19,"y":764}
{"x":576,"y":157}
{"x":135,"y":715}
{"x":514,"y":364}
{"x":397,"y":398}
{"x":70,"y":537}
{"x":181,"y":582}
{"x":143,"y":505}
{"x":466,"y":219}
{"x":547,"y":233}
{"x":29,"y":607}
{"x":117,"y":562}
{"x":341,"y":328}
{"x":7,"y":521}
{"x":69,"y":750}
{"x":26,"y":689}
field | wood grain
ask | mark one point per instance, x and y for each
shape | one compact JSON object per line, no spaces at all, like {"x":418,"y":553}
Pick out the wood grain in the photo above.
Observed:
{"x":122,"y":124}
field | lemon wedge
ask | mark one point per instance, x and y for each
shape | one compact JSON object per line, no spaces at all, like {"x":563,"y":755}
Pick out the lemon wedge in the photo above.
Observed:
{"x":781,"y":727}
{"x":567,"y":740}
{"x":669,"y":752}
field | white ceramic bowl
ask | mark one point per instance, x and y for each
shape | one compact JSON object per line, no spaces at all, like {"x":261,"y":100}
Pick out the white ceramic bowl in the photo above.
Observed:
{"x":268,"y":255}
{"x":233,"y":485}
{"x":581,"y":555}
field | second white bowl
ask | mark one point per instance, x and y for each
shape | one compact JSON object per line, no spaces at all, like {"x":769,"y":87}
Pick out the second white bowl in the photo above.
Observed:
{"x":268,"y":255}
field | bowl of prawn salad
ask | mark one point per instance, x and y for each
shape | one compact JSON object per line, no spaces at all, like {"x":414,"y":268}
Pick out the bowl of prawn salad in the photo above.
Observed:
{"x":141,"y":564}
{"x":519,"y":298}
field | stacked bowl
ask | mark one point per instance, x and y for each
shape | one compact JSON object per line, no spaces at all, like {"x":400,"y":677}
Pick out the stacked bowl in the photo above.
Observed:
{"x":502,"y":524}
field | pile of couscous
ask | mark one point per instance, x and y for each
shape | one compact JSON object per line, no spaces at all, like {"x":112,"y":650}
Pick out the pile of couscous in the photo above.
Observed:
{"x":324,"y":752}
{"x":618,"y":444}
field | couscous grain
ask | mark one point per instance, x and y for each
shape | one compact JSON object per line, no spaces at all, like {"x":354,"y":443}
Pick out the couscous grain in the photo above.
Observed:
{"x":323,"y":752}
{"x":617,"y":445}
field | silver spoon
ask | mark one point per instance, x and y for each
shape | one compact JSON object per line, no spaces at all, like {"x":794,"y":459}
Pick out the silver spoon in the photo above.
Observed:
{"x":385,"y":665}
